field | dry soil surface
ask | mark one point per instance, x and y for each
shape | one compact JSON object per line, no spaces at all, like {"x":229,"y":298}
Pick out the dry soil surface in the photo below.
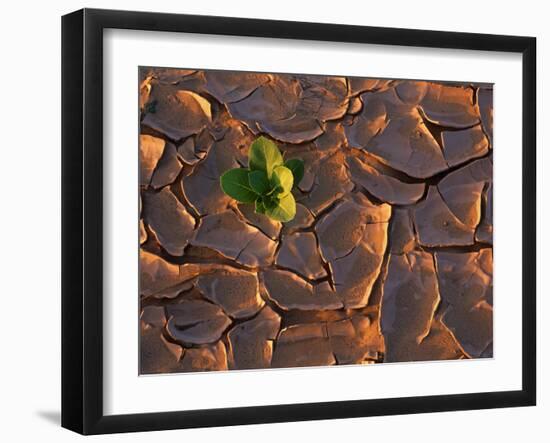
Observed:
{"x":389,"y":257}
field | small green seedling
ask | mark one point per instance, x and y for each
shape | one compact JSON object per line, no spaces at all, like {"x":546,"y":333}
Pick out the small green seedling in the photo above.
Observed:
{"x":267,"y":182}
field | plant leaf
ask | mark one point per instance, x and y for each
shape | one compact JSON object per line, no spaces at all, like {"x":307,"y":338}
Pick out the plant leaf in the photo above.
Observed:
{"x":235,"y":184}
{"x":284,"y":211}
{"x":297,"y":167}
{"x":269,"y":201}
{"x":282,"y":180}
{"x":259,"y":182}
{"x":264,"y":156}
{"x":259,"y":207}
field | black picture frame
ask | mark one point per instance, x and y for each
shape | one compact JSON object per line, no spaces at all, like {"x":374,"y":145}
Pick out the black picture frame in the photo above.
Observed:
{"x":82,"y":216}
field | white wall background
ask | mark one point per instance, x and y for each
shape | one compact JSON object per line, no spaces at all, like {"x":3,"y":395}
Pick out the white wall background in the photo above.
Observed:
{"x":30,"y":219}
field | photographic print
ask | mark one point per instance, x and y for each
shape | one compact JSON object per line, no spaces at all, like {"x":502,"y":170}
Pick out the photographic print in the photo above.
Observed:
{"x":290,"y":220}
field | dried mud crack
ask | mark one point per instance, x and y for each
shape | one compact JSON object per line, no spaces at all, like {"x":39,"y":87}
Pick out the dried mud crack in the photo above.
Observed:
{"x":389,"y":257}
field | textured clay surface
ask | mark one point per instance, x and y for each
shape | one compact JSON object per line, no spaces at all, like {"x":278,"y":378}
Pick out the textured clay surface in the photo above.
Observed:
{"x":389,"y":257}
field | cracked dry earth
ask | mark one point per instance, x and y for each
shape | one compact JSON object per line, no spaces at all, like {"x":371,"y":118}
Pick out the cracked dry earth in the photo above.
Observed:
{"x":389,"y":258}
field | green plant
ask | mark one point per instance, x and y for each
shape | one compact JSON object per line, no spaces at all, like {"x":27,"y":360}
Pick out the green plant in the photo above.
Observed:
{"x":267,"y":182}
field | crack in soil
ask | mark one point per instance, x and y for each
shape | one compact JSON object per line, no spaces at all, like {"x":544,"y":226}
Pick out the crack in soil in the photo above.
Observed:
{"x":220,"y":126}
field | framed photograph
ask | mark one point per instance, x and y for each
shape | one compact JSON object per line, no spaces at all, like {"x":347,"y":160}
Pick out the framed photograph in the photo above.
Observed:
{"x":270,"y":221}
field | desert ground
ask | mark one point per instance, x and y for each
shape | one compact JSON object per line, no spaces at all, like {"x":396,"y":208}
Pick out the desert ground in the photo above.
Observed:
{"x":389,"y":257}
